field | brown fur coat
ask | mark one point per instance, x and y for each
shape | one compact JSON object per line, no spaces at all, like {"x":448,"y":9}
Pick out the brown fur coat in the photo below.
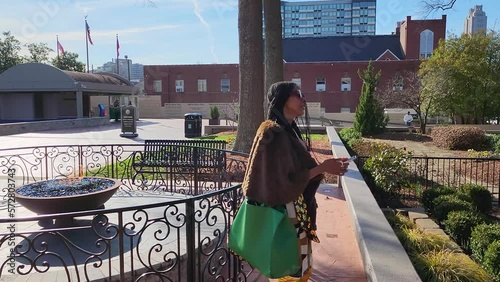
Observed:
{"x":278,"y":168}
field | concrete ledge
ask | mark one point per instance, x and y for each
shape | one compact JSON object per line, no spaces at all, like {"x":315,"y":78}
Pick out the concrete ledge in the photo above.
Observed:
{"x":35,"y":126}
{"x":384,"y":257}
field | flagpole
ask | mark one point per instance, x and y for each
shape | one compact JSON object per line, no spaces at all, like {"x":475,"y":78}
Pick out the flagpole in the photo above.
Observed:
{"x":117,"y":63}
{"x":87,"y":43}
{"x":57,"y":47}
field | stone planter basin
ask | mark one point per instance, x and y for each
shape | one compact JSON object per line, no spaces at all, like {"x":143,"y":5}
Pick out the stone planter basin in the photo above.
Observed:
{"x":66,"y":195}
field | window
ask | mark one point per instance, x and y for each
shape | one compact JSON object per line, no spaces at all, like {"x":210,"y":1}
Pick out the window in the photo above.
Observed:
{"x":202,"y":85}
{"x":397,"y":84}
{"x":426,"y":44}
{"x":345,"y":84}
{"x":157,"y":86}
{"x":345,"y":110}
{"x":179,"y":85}
{"x":224,"y":85}
{"x":297,"y":81}
{"x":320,"y":84}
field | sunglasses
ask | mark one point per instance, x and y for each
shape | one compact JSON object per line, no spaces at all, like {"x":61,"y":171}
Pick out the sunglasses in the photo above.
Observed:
{"x":298,"y":94}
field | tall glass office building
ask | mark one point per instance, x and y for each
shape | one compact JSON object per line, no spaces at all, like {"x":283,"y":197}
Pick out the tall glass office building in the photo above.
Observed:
{"x":328,"y":18}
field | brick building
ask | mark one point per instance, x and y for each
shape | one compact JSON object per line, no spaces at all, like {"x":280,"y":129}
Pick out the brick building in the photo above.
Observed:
{"x":325,"y":68}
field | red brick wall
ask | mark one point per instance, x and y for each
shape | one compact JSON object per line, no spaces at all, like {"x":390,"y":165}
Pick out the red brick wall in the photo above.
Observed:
{"x":333,"y":99}
{"x":410,"y":34}
{"x":168,"y":74}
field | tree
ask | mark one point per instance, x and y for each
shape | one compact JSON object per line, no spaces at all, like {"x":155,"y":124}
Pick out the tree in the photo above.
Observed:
{"x":369,"y":118}
{"x":39,"y":53}
{"x":406,"y":91}
{"x":9,"y":52}
{"x":433,"y":5}
{"x":69,"y":62}
{"x":462,"y":77}
{"x":273,"y":44}
{"x":251,"y":72}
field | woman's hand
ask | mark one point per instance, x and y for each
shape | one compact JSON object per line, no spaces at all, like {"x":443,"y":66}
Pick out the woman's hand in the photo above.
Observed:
{"x":335,"y":166}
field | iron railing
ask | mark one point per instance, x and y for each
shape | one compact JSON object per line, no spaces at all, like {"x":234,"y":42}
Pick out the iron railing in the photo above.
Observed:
{"x":428,"y":172}
{"x":166,"y":226}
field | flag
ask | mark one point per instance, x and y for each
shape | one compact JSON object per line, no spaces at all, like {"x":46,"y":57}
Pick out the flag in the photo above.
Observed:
{"x":60,"y":47}
{"x":117,"y":47}
{"x":88,"y":33}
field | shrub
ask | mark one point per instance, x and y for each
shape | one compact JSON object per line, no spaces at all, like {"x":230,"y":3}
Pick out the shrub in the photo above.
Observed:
{"x":471,"y":153}
{"x":388,"y":169}
{"x":214,"y":112}
{"x":493,"y":141}
{"x":446,"y":266}
{"x":349,"y":135}
{"x":459,"y":137}
{"x":429,"y":195}
{"x":459,"y":225}
{"x":480,"y":196}
{"x":482,"y":236}
{"x":445,"y":204}
{"x":420,"y":242}
{"x":492,"y":260}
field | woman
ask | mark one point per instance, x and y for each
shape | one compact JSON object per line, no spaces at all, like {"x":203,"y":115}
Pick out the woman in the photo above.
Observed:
{"x":281,"y":170}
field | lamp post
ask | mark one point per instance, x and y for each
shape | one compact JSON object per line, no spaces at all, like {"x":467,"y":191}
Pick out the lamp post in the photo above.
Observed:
{"x":128,"y":67}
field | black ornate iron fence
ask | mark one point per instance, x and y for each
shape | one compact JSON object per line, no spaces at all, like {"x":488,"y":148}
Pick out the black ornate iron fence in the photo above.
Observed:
{"x":171,"y":226}
{"x":427,"y":172}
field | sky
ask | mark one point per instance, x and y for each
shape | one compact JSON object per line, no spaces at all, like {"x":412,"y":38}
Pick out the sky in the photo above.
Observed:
{"x":174,"y":31}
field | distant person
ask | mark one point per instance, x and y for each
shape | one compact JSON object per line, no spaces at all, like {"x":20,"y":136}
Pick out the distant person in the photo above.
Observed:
{"x":116,"y":103}
{"x":130,"y":103}
{"x":408,"y":119}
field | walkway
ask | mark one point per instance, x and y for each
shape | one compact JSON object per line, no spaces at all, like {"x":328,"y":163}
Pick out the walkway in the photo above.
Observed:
{"x":337,"y":257}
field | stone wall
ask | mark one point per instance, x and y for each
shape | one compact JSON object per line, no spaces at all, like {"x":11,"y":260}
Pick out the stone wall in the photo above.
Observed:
{"x":34,"y":126}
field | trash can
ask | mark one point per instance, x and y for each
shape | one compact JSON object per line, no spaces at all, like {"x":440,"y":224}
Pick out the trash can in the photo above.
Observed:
{"x":192,"y":125}
{"x":102,"y":110}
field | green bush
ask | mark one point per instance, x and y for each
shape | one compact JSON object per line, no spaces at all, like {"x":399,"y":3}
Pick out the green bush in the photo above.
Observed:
{"x":363,"y":147}
{"x":480,"y":196}
{"x":349,"y":135}
{"x":389,"y":170}
{"x":494,"y":142}
{"x":482,"y":236}
{"x":429,"y":195}
{"x":214,"y":112}
{"x":459,"y":225}
{"x":459,"y":137}
{"x":492,"y":260}
{"x":445,"y":204}
{"x":447,"y":266}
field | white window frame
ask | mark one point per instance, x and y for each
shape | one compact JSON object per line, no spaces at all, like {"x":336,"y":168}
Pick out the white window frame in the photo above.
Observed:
{"x":297,"y":80}
{"x":225,"y":87}
{"x":202,"y":85}
{"x":320,"y":84}
{"x":426,"y":44}
{"x":345,"y":84}
{"x":179,"y":85}
{"x":157,"y":86}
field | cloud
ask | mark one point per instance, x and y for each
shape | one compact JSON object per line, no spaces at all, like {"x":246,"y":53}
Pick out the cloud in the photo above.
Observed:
{"x":198,"y":12}
{"x":78,"y":35}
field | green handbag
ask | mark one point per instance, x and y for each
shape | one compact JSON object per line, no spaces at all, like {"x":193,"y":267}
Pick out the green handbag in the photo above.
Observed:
{"x":266,"y":238}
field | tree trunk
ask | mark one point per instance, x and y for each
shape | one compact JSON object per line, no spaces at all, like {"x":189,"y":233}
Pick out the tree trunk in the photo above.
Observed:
{"x":251,"y":73}
{"x":273,"y":45}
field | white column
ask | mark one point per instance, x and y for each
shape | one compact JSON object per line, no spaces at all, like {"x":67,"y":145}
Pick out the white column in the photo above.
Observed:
{"x":79,"y":104}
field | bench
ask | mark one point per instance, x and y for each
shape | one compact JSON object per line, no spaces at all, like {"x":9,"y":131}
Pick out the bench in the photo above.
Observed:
{"x":180,"y":156}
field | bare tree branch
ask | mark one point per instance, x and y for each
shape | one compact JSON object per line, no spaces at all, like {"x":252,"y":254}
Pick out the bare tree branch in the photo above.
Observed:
{"x":433,"y":5}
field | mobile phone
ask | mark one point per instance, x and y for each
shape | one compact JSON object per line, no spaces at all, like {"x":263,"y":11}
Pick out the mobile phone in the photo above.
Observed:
{"x":351,"y":159}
